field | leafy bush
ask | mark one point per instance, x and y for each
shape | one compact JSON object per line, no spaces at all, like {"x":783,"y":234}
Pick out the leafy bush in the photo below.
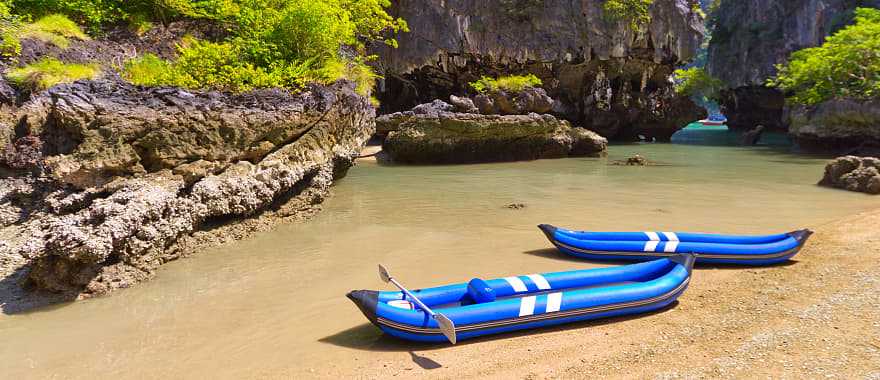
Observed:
{"x":95,"y":13}
{"x":512,"y":83}
{"x":846,"y":65}
{"x":49,"y":72}
{"x":284,"y":46}
{"x":696,"y":82}
{"x":634,"y":11}
{"x":55,"y":29}
{"x":270,"y":43}
{"x":9,"y":43}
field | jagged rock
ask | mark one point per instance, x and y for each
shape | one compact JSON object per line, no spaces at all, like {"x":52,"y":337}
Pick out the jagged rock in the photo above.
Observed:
{"x":97,"y":130}
{"x":753,"y":137}
{"x":605,"y":76}
{"x":91,"y":241}
{"x":464,"y":138}
{"x":7,"y":92}
{"x":24,"y":153}
{"x":853,"y":173}
{"x":836,"y":124}
{"x":529,"y":100}
{"x":637,"y":160}
{"x":463,"y":104}
{"x":391,"y":122}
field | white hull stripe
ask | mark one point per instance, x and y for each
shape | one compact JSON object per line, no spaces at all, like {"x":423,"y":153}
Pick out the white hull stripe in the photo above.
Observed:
{"x":651,"y":246}
{"x":652,"y":236}
{"x":671,"y":246}
{"x":527,"y":306}
{"x":518,"y":285}
{"x":671,"y":236}
{"x":539,"y":281}
{"x":554,"y":301}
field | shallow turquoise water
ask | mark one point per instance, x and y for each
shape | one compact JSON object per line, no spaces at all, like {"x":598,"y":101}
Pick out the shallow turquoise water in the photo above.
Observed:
{"x":275,"y":302}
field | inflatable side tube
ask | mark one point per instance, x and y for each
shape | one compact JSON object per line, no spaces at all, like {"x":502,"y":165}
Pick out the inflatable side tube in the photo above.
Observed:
{"x":665,"y":236}
{"x":744,"y":254}
{"x":548,"y":299}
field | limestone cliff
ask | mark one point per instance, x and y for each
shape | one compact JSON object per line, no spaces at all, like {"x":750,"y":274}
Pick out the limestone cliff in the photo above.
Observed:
{"x":607,"y":77}
{"x":751,"y":36}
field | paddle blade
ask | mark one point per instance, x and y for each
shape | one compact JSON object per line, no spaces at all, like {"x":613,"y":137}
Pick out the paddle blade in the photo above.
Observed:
{"x":383,"y":274}
{"x":446,"y":327}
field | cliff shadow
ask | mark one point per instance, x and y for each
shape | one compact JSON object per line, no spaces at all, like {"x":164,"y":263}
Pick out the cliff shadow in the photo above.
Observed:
{"x":17,"y":299}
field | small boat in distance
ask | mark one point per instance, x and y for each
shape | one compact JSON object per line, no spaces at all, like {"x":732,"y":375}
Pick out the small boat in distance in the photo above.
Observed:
{"x":709,"y":248}
{"x":483,"y":307}
{"x":714,"y":120}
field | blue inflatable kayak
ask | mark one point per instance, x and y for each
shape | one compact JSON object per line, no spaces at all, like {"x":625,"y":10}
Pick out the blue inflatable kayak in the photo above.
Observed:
{"x":483,"y":307}
{"x":710,"y":248}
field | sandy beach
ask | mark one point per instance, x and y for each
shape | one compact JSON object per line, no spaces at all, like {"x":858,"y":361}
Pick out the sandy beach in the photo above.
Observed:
{"x":818,"y":316}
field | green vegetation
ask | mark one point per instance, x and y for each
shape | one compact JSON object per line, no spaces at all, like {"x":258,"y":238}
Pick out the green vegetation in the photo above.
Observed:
{"x":846,"y":65}
{"x":9,"y":43}
{"x":269,"y":43}
{"x":512,"y":83}
{"x":284,"y":46}
{"x":696,"y":82}
{"x":636,"y":12}
{"x":55,"y":29}
{"x":49,"y":72}
{"x":95,"y":13}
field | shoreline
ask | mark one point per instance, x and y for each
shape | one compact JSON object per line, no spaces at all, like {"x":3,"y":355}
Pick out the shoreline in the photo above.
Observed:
{"x":793,"y":320}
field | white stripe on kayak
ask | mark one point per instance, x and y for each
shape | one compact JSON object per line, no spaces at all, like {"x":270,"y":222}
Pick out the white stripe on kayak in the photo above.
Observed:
{"x":671,"y":246}
{"x":539,"y":281}
{"x":554,"y":301}
{"x":671,"y":236}
{"x":652,"y":236}
{"x":527,"y":306}
{"x":651,"y":246}
{"x":516,"y":283}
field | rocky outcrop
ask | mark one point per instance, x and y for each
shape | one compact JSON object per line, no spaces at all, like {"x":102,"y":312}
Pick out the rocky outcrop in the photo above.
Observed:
{"x":529,"y":100}
{"x":606,"y":76}
{"x":449,"y":137}
{"x":836,"y":124}
{"x":130,"y":171}
{"x":94,"y":131}
{"x":853,"y":173}
{"x":752,"y":36}
{"x":750,"y":106}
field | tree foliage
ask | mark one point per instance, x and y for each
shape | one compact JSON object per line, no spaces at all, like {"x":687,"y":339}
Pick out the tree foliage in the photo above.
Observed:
{"x":846,"y":65}
{"x":636,"y":12}
{"x":270,"y":43}
{"x":697,"y":82}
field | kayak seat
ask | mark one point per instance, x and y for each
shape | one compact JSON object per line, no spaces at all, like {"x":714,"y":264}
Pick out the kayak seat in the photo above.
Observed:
{"x":478,"y":291}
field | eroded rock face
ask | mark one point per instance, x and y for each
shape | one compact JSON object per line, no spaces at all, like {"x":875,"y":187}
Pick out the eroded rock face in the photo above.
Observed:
{"x":94,"y":131}
{"x":144,"y":168}
{"x":752,"y":36}
{"x":853,"y":173}
{"x":837,"y":124}
{"x":450,"y":137}
{"x":605,"y":76}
